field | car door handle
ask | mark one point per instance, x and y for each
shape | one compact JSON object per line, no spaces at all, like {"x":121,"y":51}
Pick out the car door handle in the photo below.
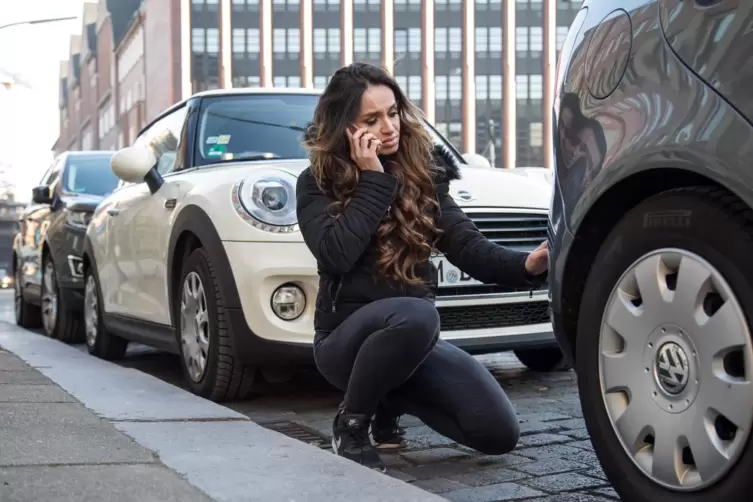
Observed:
{"x":113,"y":212}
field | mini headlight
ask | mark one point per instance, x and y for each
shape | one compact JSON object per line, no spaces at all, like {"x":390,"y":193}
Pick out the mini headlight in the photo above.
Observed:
{"x":266,"y":200}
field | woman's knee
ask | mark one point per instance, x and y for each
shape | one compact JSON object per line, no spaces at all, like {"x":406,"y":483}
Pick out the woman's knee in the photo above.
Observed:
{"x":416,"y":316}
{"x":493,"y":430}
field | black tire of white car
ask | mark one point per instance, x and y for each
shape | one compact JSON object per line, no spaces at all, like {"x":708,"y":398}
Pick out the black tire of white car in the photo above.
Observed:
{"x":224,"y":378}
{"x":106,"y":345}
{"x":543,"y":360}
{"x":68,"y":328}
{"x":714,"y":225}
{"x":28,"y":315}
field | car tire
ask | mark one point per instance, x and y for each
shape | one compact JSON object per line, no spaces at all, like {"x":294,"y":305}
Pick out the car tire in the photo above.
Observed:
{"x":28,"y":315}
{"x":58,"y":321}
{"x":695,"y":229}
{"x":543,"y":360}
{"x":204,"y":334}
{"x":99,"y":341}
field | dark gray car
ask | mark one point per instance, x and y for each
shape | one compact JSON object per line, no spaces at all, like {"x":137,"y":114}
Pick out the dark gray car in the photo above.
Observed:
{"x":651,"y":237}
{"x":47,"y":249}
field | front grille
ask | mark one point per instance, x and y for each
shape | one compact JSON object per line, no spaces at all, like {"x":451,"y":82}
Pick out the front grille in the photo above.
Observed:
{"x":493,"y":316}
{"x":517,"y":231}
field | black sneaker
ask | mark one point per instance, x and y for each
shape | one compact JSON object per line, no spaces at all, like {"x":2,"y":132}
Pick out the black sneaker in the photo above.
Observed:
{"x":385,"y":432}
{"x":350,"y":439}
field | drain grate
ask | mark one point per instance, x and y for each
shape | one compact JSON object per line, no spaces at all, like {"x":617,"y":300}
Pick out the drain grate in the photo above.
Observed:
{"x":301,"y":433}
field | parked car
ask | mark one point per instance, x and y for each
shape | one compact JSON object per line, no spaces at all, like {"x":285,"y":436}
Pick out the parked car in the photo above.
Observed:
{"x":199,"y":253}
{"x":650,"y":241}
{"x":46,"y":261}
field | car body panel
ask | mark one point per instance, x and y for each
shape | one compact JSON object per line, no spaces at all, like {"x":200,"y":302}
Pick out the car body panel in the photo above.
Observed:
{"x":661,"y":118}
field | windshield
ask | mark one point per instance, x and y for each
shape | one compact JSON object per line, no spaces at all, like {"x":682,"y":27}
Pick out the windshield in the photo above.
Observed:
{"x":89,"y":175}
{"x":262,"y":126}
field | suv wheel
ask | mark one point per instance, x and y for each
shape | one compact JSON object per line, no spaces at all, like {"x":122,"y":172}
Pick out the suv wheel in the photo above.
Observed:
{"x":543,"y":359}
{"x":664,"y":353}
{"x":58,"y":320}
{"x":209,"y":363}
{"x":99,"y":341}
{"x":28,"y":315}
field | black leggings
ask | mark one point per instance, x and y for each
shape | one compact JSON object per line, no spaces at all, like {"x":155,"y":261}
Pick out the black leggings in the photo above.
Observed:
{"x":389,"y":352}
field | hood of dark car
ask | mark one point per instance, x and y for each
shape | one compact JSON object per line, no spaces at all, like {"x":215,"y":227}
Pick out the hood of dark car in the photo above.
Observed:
{"x":81,"y":202}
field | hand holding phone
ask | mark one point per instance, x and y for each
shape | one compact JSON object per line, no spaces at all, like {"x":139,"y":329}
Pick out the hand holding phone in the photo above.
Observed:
{"x":364,"y":149}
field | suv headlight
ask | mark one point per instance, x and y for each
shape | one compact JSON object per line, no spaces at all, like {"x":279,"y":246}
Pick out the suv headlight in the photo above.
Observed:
{"x":78,"y":219}
{"x":266,"y":200}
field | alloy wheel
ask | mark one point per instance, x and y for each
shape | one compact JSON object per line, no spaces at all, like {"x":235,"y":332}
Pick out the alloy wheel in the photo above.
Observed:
{"x":49,"y":298}
{"x":675,"y":368}
{"x":194,"y":326}
{"x":91,"y":311}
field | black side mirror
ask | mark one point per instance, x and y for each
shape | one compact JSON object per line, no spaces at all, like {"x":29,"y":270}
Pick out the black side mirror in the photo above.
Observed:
{"x":41,"y":195}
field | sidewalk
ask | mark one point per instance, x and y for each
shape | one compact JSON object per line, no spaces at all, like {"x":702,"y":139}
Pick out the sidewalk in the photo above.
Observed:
{"x":53,"y":449}
{"x":77,"y":428}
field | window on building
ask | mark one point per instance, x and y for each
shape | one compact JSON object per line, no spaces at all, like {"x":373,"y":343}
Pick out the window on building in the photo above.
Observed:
{"x":198,"y":40}
{"x":213,"y":40}
{"x":320,"y":40}
{"x":239,"y":40}
{"x":294,"y":40}
{"x":278,"y":40}
{"x":495,"y":87}
{"x":253,"y":41}
{"x":414,"y":88}
{"x":455,"y":88}
{"x":414,"y":40}
{"x":401,"y":41}
{"x":320,"y":82}
{"x":561,"y":36}
{"x":482,"y":39}
{"x":440,"y":87}
{"x":536,"y":87}
{"x":440,"y":40}
{"x":521,"y":39}
{"x":375,"y":40}
{"x":536,"y":41}
{"x":359,"y":40}
{"x":455,"y":39}
{"x":482,"y":87}
{"x":333,"y":36}
{"x":495,"y":39}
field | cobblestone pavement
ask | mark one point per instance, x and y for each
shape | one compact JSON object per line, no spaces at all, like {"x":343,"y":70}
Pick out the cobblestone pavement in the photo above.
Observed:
{"x":554,"y":461}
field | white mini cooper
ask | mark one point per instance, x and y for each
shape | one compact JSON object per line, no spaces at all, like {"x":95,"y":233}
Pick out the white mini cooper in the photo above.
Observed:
{"x":198,"y":251}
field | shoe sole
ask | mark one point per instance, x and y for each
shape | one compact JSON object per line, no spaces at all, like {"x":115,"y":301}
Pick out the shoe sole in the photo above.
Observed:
{"x":379,"y":469}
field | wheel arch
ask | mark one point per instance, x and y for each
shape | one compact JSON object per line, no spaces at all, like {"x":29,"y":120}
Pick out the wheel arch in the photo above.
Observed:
{"x":601,"y":218}
{"x":192,"y":229}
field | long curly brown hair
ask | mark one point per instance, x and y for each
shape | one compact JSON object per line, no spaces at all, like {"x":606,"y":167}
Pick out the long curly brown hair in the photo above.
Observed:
{"x":406,"y":238}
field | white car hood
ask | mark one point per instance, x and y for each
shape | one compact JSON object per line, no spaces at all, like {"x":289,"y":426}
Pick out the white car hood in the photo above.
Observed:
{"x":476,"y":188}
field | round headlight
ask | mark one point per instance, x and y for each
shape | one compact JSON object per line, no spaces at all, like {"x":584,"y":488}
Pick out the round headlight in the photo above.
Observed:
{"x":266,"y":200}
{"x":288,"y":302}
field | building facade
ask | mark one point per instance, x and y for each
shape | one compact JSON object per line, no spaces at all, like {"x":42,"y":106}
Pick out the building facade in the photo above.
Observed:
{"x":479,"y":69}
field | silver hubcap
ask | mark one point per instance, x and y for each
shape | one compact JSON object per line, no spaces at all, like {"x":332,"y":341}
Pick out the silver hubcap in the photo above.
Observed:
{"x":675,"y":368}
{"x":91,"y":312}
{"x":49,"y":298}
{"x":194,"y":326}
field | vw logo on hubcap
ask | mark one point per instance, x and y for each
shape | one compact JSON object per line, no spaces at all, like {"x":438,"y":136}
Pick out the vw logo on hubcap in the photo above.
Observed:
{"x":672,"y":368}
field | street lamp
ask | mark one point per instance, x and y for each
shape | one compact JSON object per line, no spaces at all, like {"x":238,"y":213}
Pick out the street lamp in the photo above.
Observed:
{"x":38,"y":21}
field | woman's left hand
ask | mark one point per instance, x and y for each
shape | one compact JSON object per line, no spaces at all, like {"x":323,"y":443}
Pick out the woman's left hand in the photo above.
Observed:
{"x":538,"y":260}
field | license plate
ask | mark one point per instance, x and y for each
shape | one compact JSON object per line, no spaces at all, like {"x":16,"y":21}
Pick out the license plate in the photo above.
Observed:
{"x":448,"y":275}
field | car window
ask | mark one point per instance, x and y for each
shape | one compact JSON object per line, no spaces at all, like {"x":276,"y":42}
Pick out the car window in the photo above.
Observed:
{"x":255,"y":126}
{"x":52,"y":173}
{"x":163,"y":138}
{"x":89,"y":175}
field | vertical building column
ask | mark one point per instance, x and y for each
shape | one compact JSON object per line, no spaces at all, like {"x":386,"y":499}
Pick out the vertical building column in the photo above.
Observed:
{"x":509,"y":100}
{"x":265,"y":29}
{"x":186,"y":85}
{"x":388,"y":35}
{"x":549,"y":58}
{"x":226,"y":48}
{"x":346,"y":32}
{"x":427,"y":59}
{"x":307,"y":44}
{"x":469,"y":77}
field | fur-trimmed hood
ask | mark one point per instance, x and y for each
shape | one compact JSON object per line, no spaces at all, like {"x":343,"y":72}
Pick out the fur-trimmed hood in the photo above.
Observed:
{"x":447,"y":162}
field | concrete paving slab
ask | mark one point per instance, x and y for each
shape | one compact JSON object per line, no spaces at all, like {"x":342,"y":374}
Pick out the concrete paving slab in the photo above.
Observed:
{"x":9,"y":362}
{"x":122,"y":483}
{"x":22,"y":378}
{"x":110,"y":391}
{"x":62,"y":433}
{"x":16,"y":393}
{"x":242,"y":461}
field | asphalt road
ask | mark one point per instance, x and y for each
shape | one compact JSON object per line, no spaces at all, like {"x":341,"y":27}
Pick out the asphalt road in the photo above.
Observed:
{"x":554,"y":460}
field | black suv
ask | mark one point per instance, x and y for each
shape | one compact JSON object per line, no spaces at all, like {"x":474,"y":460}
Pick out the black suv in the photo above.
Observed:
{"x":47,"y":250}
{"x":651,"y":241}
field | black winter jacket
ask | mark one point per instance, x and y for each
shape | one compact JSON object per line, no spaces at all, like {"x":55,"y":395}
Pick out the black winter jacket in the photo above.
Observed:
{"x":346,"y":253}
